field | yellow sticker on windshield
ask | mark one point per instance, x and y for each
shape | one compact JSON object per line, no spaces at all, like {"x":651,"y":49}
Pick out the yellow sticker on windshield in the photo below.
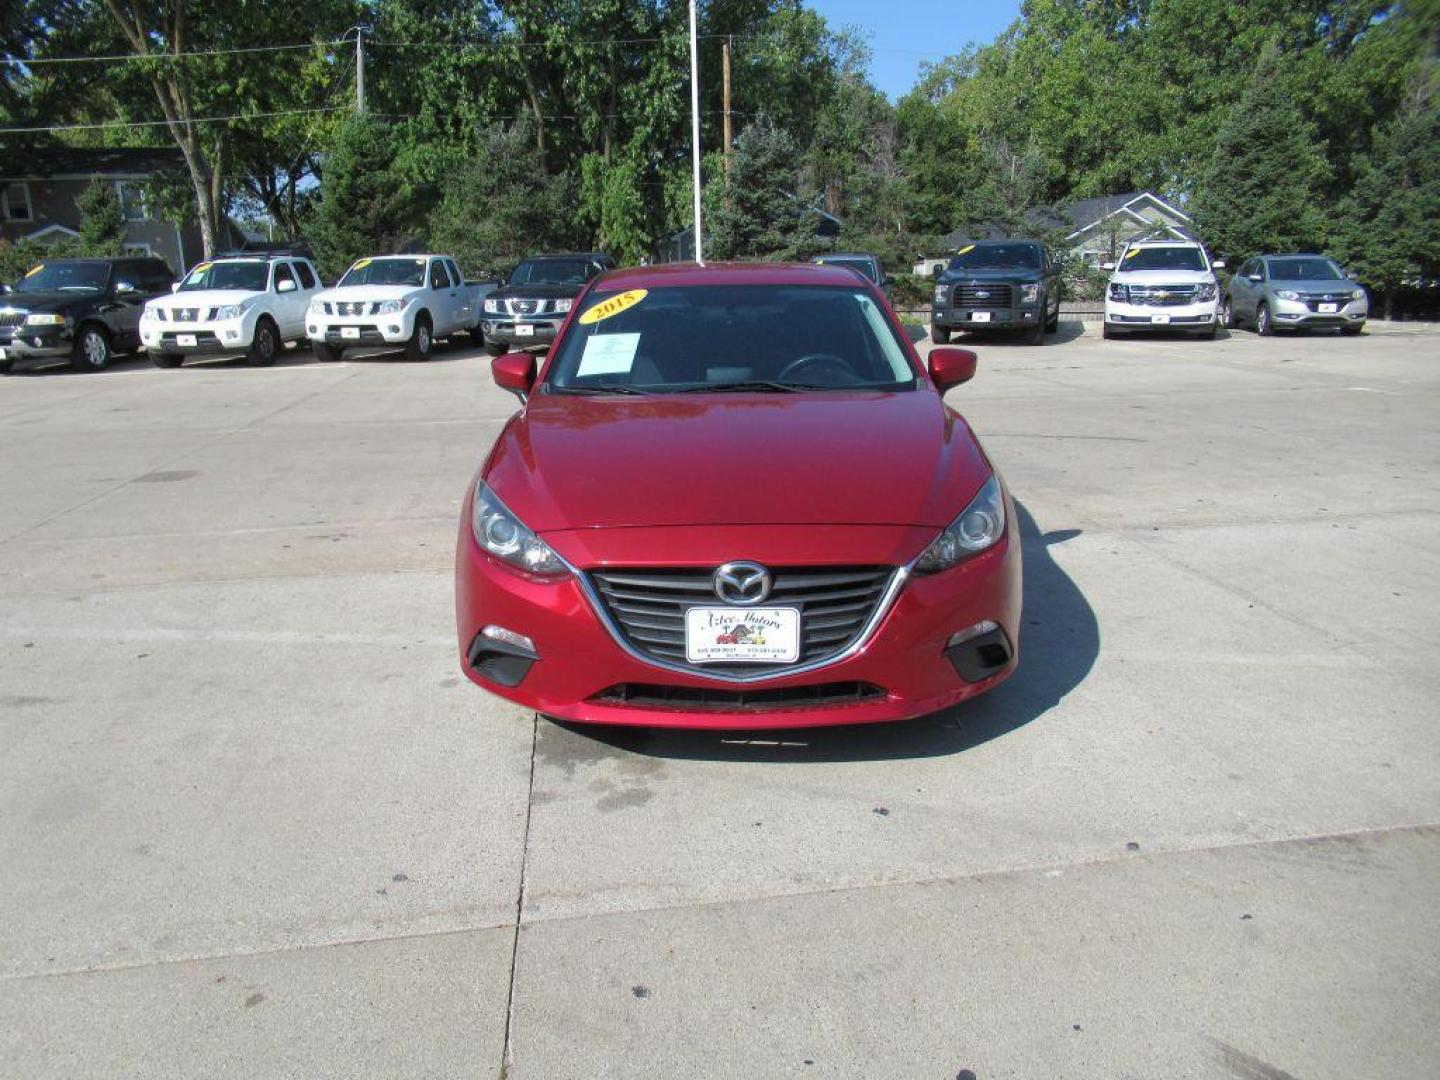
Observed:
{"x":1132,"y":253}
{"x":613,"y":306}
{"x":965,"y":249}
{"x":361,"y":264}
{"x":201,"y":268}
{"x":35,"y":271}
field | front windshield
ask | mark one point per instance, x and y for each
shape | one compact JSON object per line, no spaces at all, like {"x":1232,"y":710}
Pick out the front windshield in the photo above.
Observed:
{"x":1163,"y":258}
{"x":77,"y":276}
{"x":1304,"y":269}
{"x":552,"y":272}
{"x":985,"y":256}
{"x":865,"y":266}
{"x":249,"y":275}
{"x":385,"y":272}
{"x":714,"y":338}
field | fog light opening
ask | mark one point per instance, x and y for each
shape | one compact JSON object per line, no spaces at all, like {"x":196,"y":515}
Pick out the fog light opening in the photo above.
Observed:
{"x":985,"y":626}
{"x":509,"y":637}
{"x":979,"y":651}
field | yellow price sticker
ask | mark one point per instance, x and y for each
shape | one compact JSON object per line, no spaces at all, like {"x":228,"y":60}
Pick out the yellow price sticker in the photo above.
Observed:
{"x":965,"y":249}
{"x":202,"y":267}
{"x":361,"y":264}
{"x":1132,"y":253}
{"x":35,"y":271}
{"x":613,"y":306}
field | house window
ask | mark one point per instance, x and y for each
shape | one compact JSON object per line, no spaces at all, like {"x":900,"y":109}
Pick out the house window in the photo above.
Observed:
{"x":15,"y":201}
{"x":132,"y":200}
{"x":137,"y":249}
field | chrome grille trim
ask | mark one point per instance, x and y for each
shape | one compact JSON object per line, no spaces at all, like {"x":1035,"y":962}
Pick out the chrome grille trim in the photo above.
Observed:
{"x":1163,"y":295}
{"x":12,"y":318}
{"x":997,"y":295}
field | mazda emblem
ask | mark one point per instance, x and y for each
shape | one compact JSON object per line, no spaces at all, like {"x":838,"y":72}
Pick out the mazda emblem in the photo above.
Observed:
{"x":742,"y":583}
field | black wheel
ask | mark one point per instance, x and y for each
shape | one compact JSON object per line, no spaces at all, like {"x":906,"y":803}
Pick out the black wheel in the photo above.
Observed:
{"x":477,"y":338}
{"x":5,"y":367}
{"x":1107,"y":333}
{"x":326,"y":353}
{"x":1052,"y":324}
{"x":421,"y":343}
{"x":940,"y":335}
{"x":91,"y":351}
{"x":166,"y":359}
{"x":496,"y":348}
{"x":266,"y":346}
{"x":1227,"y":315}
{"x":1207,"y":335}
{"x":1262,"y":321}
{"x":1034,"y":335}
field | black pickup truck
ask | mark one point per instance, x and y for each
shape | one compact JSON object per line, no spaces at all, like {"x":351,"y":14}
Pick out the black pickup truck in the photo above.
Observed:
{"x":997,"y":285}
{"x":82,"y":310}
{"x":535,"y":297}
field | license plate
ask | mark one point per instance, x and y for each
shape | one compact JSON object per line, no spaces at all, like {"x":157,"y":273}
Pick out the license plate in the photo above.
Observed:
{"x":185,"y":340}
{"x":979,"y":316}
{"x":1159,"y":320}
{"x":350,"y":331}
{"x":762,"y":635}
{"x":1329,"y":309}
{"x":524,"y":330}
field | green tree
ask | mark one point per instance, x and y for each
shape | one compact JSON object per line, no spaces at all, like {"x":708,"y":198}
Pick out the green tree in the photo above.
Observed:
{"x":766,"y":216}
{"x":102,"y":221}
{"x":1260,"y":189}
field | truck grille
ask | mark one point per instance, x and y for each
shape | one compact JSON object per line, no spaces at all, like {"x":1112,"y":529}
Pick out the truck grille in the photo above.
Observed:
{"x":351,"y":309}
{"x":190,"y":314}
{"x":983,"y":296}
{"x":649,"y":605}
{"x":1162,"y":295}
{"x":529,"y":307}
{"x":12,"y":318}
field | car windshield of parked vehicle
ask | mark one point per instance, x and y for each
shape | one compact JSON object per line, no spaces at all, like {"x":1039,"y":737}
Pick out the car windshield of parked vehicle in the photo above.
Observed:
{"x":718,"y":338}
{"x":552,"y":272}
{"x":1163,"y":258}
{"x":1313,"y":269}
{"x":248,"y":275}
{"x":65,"y":276}
{"x":997,"y":256}
{"x":402,"y":271}
{"x":865,"y":266}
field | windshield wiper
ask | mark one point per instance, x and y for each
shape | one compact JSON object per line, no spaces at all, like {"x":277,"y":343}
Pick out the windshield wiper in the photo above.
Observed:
{"x":615,"y":388}
{"x":752,"y":385}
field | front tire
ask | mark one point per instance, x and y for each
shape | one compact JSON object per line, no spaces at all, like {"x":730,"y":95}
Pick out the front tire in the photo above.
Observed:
{"x":1352,"y":331}
{"x":496,"y":348}
{"x":940,"y":335}
{"x":1227,"y":315}
{"x":1034,"y":335}
{"x":166,"y":359}
{"x":1052,"y":324}
{"x":1263,"y":326}
{"x":325,"y":352}
{"x":266,"y":346}
{"x":91,"y":351}
{"x":421,"y":342}
{"x":1107,"y":333}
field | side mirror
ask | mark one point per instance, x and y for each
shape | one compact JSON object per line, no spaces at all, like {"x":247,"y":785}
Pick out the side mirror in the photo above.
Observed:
{"x":1257,"y":278}
{"x":937,"y":269}
{"x":1107,"y":266}
{"x":1217,"y":264}
{"x":124,"y":288}
{"x":514,"y":372}
{"x":285,"y":286}
{"x":951,"y":367}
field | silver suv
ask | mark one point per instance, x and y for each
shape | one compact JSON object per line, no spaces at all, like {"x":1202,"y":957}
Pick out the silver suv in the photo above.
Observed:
{"x":1293,"y":292}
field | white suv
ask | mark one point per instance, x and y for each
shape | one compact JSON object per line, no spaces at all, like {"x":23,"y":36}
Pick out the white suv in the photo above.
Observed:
{"x":249,"y":304}
{"x":1163,"y":285}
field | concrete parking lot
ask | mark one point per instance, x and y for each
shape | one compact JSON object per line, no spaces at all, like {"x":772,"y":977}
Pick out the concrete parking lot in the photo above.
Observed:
{"x":254,"y":822}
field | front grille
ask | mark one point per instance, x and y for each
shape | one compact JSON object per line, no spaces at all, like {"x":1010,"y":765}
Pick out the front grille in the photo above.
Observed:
{"x":1162,"y":295}
{"x":649,"y":605}
{"x":709,"y":699}
{"x":12,"y":318}
{"x":185,"y":314}
{"x":1314,"y":300}
{"x":982,"y":296}
{"x":529,"y":307}
{"x":357,"y":307}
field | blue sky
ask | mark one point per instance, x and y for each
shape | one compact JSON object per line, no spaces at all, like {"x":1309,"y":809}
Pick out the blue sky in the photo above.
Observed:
{"x":903,"y":34}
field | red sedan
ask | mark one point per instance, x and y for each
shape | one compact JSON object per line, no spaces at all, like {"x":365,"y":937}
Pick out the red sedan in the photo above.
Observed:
{"x":734,"y":498}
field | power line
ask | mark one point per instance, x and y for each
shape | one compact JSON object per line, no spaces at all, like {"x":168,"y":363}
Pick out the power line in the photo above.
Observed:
{"x":163,"y":123}
{"x":119,"y":57}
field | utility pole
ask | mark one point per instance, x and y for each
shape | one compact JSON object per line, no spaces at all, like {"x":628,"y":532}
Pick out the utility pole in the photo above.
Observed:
{"x":729,"y":133}
{"x":359,"y":71}
{"x":695,"y":129}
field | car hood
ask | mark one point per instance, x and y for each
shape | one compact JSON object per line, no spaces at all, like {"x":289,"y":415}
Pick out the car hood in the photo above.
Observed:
{"x":351,"y":294}
{"x":204,"y":298}
{"x":1163,"y":277}
{"x":1014,"y":273}
{"x":536,"y":292}
{"x":839,"y":458}
{"x":55,"y":300}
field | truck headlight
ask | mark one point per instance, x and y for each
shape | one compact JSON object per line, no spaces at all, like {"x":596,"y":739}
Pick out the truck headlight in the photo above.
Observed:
{"x":1029,"y":294}
{"x":979,"y":526}
{"x":1287,"y":294}
{"x":492,"y":307}
{"x":231,"y":311}
{"x":506,"y":537}
{"x":1205,"y":292}
{"x":389,"y":307}
{"x":45,"y":318}
{"x":562,"y":306}
{"x":1119,"y":292}
{"x":317,"y":307}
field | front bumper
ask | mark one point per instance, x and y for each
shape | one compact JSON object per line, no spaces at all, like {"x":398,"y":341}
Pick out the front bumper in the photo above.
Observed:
{"x":579,"y":666}
{"x":982,"y":319}
{"x":1197,"y":316}
{"x":503,"y":330}
{"x":1299,"y":314}
{"x":378,"y":330}
{"x":230,"y":336}
{"x":34,"y":342}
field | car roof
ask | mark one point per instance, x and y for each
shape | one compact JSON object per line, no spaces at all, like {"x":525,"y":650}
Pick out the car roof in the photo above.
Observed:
{"x":697,"y":274}
{"x":567,"y":255}
{"x":843,"y":255}
{"x":1293,"y":255}
{"x":1166,"y":243}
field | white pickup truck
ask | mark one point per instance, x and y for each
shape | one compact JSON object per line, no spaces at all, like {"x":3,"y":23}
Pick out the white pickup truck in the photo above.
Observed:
{"x":407,"y":300}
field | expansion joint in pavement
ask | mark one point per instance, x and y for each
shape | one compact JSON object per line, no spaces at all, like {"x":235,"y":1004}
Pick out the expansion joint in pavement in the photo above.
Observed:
{"x":505,"y":1054}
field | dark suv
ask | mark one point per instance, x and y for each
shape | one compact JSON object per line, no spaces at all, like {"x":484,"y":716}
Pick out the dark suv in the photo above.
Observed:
{"x":997,"y":285}
{"x":85,"y":310}
{"x":534,"y":299}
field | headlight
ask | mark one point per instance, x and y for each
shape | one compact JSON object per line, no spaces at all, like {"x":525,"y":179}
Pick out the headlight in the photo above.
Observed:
{"x":492,"y":307}
{"x":44,"y":318}
{"x":317,"y":307}
{"x":389,"y":307}
{"x":1119,"y":292}
{"x":149,"y":313}
{"x":1029,"y":293}
{"x":506,"y":537}
{"x":1287,"y":294}
{"x":1358,"y":294}
{"x":978,"y":527}
{"x":562,"y":306}
{"x":232,"y":311}
{"x":940,"y":294}
{"x":1205,"y":292}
